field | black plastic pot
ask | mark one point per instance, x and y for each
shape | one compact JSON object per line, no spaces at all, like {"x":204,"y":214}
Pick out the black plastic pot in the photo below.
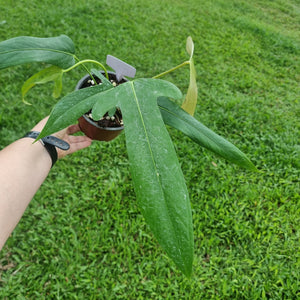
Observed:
{"x":90,"y":127}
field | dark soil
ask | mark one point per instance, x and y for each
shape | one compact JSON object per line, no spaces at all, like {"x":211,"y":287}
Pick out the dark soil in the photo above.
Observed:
{"x":107,"y":121}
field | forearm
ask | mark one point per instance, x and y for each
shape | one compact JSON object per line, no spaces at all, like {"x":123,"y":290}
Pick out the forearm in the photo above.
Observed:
{"x":24,"y":167}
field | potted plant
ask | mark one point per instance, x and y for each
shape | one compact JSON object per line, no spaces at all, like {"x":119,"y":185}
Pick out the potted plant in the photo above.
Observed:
{"x":111,"y":124}
{"x":147,"y":106}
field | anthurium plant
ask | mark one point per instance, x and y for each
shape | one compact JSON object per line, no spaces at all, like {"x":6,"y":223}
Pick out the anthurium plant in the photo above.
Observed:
{"x":147,"y":105}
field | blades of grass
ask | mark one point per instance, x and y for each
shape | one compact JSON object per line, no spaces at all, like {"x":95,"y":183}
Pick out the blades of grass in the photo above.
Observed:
{"x":52,"y":73}
{"x":58,"y":51}
{"x":181,"y":120}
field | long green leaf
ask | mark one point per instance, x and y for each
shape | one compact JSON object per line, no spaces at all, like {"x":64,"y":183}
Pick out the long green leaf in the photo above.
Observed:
{"x":58,"y":51}
{"x":70,"y":108}
{"x":103,"y":79}
{"x":52,"y":73}
{"x":109,"y":100}
{"x":158,"y":180}
{"x":101,"y":107}
{"x":179,"y":119}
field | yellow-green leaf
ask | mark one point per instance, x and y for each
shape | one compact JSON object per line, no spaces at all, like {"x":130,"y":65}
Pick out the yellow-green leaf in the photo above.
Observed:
{"x":190,"y":101}
{"x":190,"y":46}
{"x":57,"y":86}
{"x":52,"y":73}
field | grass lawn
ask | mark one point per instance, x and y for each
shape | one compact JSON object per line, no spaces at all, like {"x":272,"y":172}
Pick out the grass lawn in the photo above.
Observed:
{"x":83,"y":237}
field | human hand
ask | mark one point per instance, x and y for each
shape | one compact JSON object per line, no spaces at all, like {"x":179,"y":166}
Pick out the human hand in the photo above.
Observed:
{"x":76,"y":142}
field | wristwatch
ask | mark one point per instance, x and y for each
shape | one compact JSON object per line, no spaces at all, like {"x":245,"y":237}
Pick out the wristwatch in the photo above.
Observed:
{"x":49,"y":142}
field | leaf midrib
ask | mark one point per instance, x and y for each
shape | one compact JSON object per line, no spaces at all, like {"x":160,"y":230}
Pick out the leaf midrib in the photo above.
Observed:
{"x":40,"y":49}
{"x":144,"y":127}
{"x":152,"y":156}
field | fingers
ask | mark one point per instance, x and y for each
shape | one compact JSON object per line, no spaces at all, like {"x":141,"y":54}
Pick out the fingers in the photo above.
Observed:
{"x":73,"y":129}
{"x":76,"y":143}
{"x":79,"y":144}
{"x":74,"y":140}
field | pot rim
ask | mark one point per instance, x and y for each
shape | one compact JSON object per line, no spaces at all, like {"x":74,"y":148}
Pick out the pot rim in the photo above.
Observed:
{"x":87,"y":76}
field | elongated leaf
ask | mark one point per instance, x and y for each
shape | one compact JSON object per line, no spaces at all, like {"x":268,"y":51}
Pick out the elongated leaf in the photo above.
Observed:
{"x":190,"y":102}
{"x":158,"y":180}
{"x":100,"y":108}
{"x":190,"y":47}
{"x":109,"y":99}
{"x":52,"y":73}
{"x":159,"y":184}
{"x":70,"y":108}
{"x":103,"y":79}
{"x":179,"y":119}
{"x":58,"y":51}
{"x":57,"y":86}
{"x":112,"y":111}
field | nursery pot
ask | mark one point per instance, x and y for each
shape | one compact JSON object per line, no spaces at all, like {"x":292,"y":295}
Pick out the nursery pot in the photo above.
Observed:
{"x":95,"y":129}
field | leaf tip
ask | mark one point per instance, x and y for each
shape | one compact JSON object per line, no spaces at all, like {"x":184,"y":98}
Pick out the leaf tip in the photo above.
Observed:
{"x":26,"y":102}
{"x":190,"y":46}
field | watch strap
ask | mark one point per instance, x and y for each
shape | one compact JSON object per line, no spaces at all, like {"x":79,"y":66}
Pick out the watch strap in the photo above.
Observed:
{"x":49,"y":142}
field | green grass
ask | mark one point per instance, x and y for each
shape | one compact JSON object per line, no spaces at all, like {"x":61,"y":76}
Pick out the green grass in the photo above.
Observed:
{"x":83,"y":237}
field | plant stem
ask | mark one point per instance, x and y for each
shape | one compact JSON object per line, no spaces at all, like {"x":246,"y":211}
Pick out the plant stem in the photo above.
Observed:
{"x":91,"y":75}
{"x":82,"y":62}
{"x":171,"y":70}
